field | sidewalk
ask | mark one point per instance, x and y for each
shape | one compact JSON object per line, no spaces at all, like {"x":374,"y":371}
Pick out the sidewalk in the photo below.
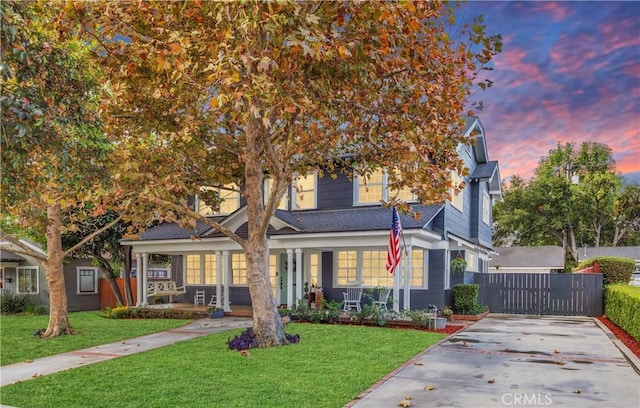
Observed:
{"x":17,"y":372}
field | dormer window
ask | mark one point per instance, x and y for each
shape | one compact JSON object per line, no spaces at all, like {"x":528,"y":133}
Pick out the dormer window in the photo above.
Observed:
{"x":303,"y":192}
{"x":377,"y":189}
{"x":230,"y":196}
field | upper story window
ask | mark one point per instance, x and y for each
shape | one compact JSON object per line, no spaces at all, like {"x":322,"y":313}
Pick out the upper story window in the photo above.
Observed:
{"x":230,"y":195}
{"x":268,"y":185}
{"x":486,"y":208}
{"x":456,"y":198}
{"x":303,"y":193}
{"x":376,"y":189}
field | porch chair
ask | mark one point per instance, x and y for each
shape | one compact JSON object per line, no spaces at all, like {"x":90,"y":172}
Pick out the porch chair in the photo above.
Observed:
{"x":198,"y":298}
{"x":383,"y":298}
{"x":352,"y":297}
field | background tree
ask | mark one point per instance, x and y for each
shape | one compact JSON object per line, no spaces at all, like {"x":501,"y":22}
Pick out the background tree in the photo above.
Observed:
{"x":574,"y":195}
{"x":104,"y":249}
{"x":212,"y":94}
{"x":52,"y":149}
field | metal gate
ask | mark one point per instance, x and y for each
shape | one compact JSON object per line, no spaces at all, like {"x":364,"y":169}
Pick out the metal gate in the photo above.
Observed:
{"x":570,"y":294}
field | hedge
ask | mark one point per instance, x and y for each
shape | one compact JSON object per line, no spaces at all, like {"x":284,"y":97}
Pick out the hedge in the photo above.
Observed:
{"x":614,"y":269}
{"x":622,"y":306}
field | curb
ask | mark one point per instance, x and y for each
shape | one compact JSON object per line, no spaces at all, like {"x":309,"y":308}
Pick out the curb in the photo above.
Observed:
{"x":628,"y":354}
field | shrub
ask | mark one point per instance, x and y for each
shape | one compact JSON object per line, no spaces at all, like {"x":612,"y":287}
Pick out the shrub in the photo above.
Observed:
{"x":465,"y":297}
{"x":12,"y":303}
{"x":614,"y":269}
{"x":622,"y":306}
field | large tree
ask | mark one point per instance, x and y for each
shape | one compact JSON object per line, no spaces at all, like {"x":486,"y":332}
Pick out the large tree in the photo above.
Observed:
{"x":52,"y":148}
{"x":574,"y":198}
{"x":214,"y":94}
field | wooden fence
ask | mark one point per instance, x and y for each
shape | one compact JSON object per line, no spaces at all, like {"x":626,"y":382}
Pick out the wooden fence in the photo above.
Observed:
{"x":570,"y":294}
{"x":107,"y":297}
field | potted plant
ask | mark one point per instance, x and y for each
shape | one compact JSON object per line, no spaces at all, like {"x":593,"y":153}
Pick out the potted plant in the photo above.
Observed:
{"x":447,"y":312}
{"x":215,"y":312}
{"x":459,"y":264}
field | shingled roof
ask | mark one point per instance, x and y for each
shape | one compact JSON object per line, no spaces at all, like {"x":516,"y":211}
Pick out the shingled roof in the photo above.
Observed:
{"x":8,"y":256}
{"x":347,"y":220}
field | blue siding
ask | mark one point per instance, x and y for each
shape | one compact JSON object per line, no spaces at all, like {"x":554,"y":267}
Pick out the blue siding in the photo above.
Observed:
{"x":336,"y":193}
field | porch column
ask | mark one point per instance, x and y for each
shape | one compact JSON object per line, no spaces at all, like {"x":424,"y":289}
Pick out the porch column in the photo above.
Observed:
{"x":407,"y":278}
{"x":289,"y":278}
{"x":227,"y":280}
{"x":143,"y":278}
{"x":218,"y":278}
{"x":138,"y":280}
{"x":298,"y":274}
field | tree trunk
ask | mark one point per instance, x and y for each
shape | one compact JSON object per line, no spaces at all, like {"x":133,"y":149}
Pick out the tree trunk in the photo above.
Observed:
{"x":618,"y":233}
{"x":267,"y":324}
{"x":127,"y":275}
{"x":58,"y":308}
{"x":111,"y":278}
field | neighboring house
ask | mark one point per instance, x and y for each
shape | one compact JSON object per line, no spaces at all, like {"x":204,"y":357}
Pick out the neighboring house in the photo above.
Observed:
{"x":533,"y":259}
{"x":23,"y":274}
{"x":330,"y":232}
{"x":632,"y":252}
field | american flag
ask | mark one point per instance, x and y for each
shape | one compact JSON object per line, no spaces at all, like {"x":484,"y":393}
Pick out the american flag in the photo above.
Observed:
{"x":393,"y":254}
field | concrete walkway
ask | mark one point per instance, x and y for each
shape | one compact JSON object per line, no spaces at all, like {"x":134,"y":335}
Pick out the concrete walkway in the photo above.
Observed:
{"x":508,"y":360}
{"x":13,"y":373}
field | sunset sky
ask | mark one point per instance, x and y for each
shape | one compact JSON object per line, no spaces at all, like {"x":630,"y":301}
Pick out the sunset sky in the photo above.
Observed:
{"x":569,"y":72}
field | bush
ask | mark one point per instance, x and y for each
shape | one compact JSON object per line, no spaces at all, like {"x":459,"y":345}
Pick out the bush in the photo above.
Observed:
{"x":622,"y":306}
{"x":614,"y":269}
{"x":465,"y":298}
{"x":13,"y":303}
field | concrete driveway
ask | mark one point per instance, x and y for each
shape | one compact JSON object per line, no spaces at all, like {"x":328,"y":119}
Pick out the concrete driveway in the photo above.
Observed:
{"x":513,"y":361}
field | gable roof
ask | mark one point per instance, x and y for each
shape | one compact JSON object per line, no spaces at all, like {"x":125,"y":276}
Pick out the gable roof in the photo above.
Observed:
{"x":548,"y":256}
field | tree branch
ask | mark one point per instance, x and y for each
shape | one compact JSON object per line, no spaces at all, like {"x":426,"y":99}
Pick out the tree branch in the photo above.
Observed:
{"x":22,"y":248}
{"x":93,"y":235}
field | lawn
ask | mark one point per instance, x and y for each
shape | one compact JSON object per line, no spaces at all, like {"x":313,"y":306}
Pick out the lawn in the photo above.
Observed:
{"x":18,"y":343}
{"x":330,"y":366}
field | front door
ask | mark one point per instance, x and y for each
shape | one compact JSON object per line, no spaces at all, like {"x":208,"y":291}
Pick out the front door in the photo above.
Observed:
{"x":283,"y":278}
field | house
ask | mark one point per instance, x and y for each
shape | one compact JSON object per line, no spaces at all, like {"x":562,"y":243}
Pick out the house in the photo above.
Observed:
{"x":23,"y":274}
{"x":534,"y":259}
{"x":336,"y":234}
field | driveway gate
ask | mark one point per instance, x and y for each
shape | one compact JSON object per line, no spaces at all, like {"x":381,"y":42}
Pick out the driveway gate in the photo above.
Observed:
{"x":561,"y":294}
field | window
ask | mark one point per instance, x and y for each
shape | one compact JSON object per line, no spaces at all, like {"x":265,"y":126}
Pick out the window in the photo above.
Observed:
{"x":230,"y":197}
{"x":417,"y":269}
{"x":486,"y":208}
{"x":273,"y":272}
{"x":155,"y":272}
{"x":284,"y":203}
{"x":28,"y":281}
{"x":472,"y":265}
{"x":377,"y":189}
{"x":374,"y":271}
{"x":238,"y":269}
{"x":87,"y":280}
{"x":314,"y":269}
{"x":304,"y":192}
{"x":347,"y":267}
{"x":201,"y":269}
{"x":456,"y":198}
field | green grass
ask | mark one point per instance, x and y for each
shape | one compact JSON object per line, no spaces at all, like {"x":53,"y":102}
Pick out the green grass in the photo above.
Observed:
{"x":330,"y":366}
{"x":17,"y":342}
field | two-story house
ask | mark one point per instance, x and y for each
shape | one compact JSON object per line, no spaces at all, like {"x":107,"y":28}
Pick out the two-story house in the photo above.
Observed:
{"x":329,"y":232}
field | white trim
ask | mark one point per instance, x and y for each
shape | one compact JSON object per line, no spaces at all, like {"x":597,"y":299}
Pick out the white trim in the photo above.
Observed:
{"x":95,"y":279}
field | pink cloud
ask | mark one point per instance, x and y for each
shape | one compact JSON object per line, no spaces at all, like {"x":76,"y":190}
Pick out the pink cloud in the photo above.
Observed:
{"x":513,"y":61}
{"x":557,"y":10}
